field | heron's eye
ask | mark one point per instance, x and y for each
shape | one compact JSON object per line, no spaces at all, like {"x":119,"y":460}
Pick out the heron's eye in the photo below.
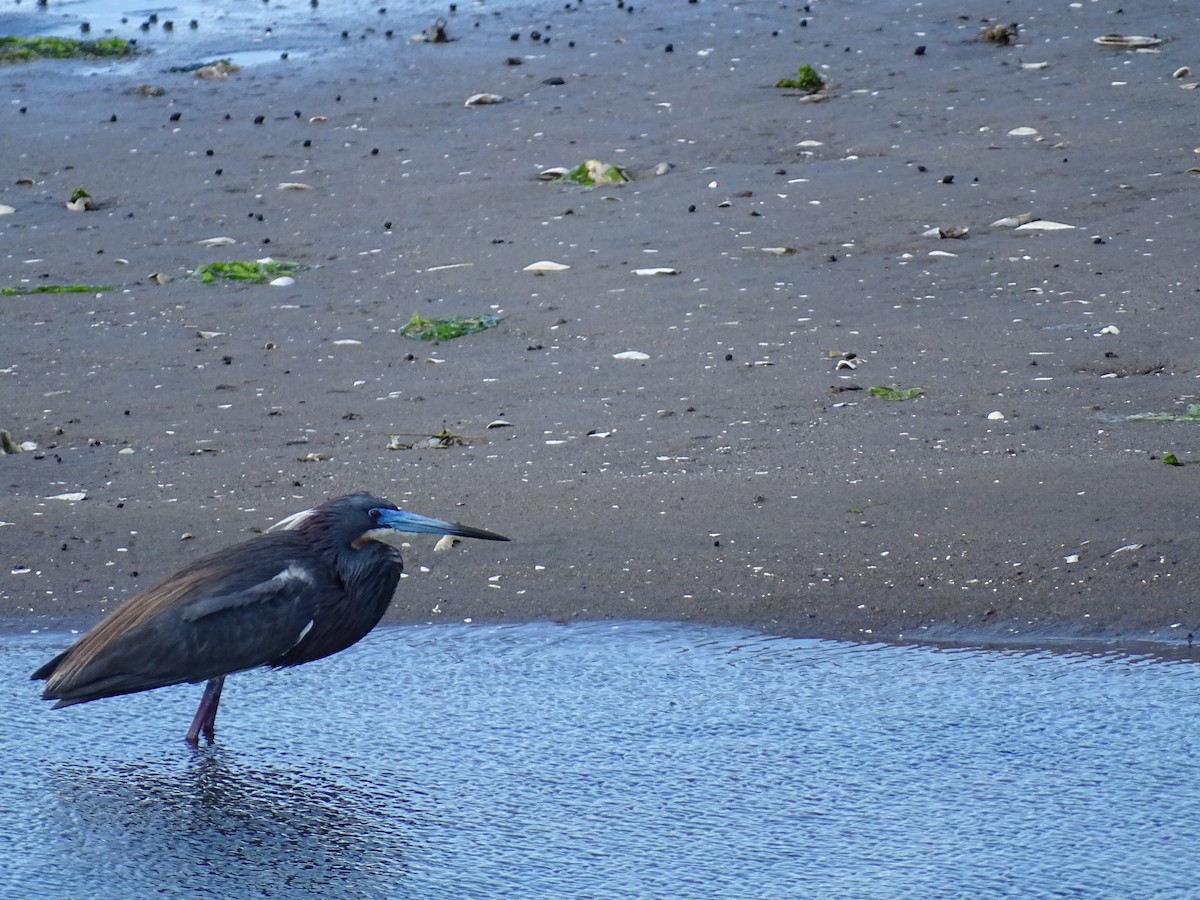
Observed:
{"x":374,"y":514}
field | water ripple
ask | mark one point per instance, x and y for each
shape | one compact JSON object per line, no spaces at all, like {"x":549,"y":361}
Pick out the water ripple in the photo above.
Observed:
{"x":615,"y":760}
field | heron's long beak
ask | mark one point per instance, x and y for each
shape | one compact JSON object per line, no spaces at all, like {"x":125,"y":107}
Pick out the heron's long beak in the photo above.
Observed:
{"x":400,"y":520}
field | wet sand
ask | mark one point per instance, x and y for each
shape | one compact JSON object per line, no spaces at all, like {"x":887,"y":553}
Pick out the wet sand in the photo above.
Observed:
{"x":736,"y":475}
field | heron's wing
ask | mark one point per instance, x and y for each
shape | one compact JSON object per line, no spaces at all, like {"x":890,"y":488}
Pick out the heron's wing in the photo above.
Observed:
{"x":168,"y":635}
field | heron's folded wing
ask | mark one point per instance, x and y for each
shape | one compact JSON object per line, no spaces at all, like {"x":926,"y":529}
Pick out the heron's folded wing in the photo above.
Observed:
{"x":176,"y":640}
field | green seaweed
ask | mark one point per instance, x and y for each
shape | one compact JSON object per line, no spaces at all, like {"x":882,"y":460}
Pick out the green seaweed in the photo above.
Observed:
{"x":883,"y":392}
{"x":251,"y":270}
{"x":1171,"y":459}
{"x":57,"y":289}
{"x":423,"y":329}
{"x":806,"y":79}
{"x":15,"y":49}
{"x":591,"y":172}
{"x":79,"y":193}
{"x":1191,"y":415}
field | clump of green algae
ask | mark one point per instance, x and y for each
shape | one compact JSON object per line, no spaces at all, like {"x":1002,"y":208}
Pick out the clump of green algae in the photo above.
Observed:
{"x":423,"y":329}
{"x":255,"y":271}
{"x":806,"y":79}
{"x":883,"y":392}
{"x":56,"y":289}
{"x":14,"y":49}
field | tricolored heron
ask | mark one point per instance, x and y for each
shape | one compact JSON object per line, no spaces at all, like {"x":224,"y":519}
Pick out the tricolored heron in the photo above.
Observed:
{"x":279,"y":599}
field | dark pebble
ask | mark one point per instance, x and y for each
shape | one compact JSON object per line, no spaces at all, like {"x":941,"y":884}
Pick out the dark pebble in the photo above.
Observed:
{"x":208,"y":153}
{"x":258,"y":120}
{"x":387,"y":226}
{"x":554,"y":80}
{"x":920,"y":51}
{"x":175,"y":117}
{"x":218,"y":172}
{"x":307,"y":142}
{"x":374,"y":151}
{"x":85,"y":27}
{"x":947,"y":179}
{"x":670,"y":48}
{"x":113,"y":117}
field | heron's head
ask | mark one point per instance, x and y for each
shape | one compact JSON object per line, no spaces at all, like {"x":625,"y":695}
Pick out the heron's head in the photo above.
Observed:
{"x":356,"y":518}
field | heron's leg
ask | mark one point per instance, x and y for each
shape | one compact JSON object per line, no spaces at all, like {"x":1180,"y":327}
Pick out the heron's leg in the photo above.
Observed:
{"x":206,"y":714}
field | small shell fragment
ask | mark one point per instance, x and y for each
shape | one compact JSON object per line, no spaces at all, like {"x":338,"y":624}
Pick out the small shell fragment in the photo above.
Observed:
{"x":1035,"y":66}
{"x":1181,"y":72}
{"x":82,"y":204}
{"x":283,"y":281}
{"x":216,"y":241}
{"x":631,"y":354}
{"x":294,"y":186}
{"x":72,"y":497}
{"x":1023,"y":131}
{"x":446,"y":542}
{"x":484,"y":99}
{"x":995,"y":415}
{"x":347,"y":342}
{"x":942,"y":253}
{"x":546,"y":265}
{"x":160,"y":278}
{"x":554,"y":173}
{"x":499,"y":423}
{"x":1044,"y":225}
{"x":1110,"y":329}
{"x":662,"y":270}
{"x":6,"y":210}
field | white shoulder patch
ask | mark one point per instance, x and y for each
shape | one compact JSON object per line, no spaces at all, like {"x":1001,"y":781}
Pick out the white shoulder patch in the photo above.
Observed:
{"x":294,"y":572}
{"x":304,"y":632}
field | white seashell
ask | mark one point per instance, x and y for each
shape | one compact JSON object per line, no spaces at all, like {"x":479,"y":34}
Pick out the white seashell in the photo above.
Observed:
{"x":1033,"y":66}
{"x":1013,"y":221}
{"x":1110,"y":329}
{"x":545,"y":265}
{"x":72,"y":497}
{"x":631,"y":354}
{"x":1127,"y":548}
{"x":657,"y":271}
{"x":932,"y":232}
{"x":779,"y":251}
{"x":83,"y":204}
{"x":845,"y":364}
{"x":664,"y":167}
{"x":1042,"y":225}
{"x":160,"y":278}
{"x":1023,"y":131}
{"x":553,"y":173}
{"x":499,"y":423}
{"x":293,"y":186}
{"x":216,"y":242}
{"x":209,"y":335}
{"x":1181,"y":72}
{"x":995,"y":416}
{"x":313,"y":120}
{"x":484,"y":99}
{"x":28,"y":445}
{"x":941,"y":253}
{"x":347,"y":342}
{"x":6,"y":210}
{"x":1132,"y":41}
{"x":811,"y":143}
{"x":125,"y":451}
{"x":1071,"y":558}
{"x":446,"y":542}
{"x":283,"y":281}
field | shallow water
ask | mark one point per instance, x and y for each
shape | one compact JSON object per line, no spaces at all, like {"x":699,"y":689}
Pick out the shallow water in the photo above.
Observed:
{"x":614,"y":760}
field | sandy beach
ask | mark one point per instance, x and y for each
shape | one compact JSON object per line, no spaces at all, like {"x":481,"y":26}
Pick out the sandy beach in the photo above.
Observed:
{"x":740,"y":471}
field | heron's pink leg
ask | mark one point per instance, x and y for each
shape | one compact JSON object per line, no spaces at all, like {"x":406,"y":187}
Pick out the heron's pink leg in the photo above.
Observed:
{"x":206,"y":714}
